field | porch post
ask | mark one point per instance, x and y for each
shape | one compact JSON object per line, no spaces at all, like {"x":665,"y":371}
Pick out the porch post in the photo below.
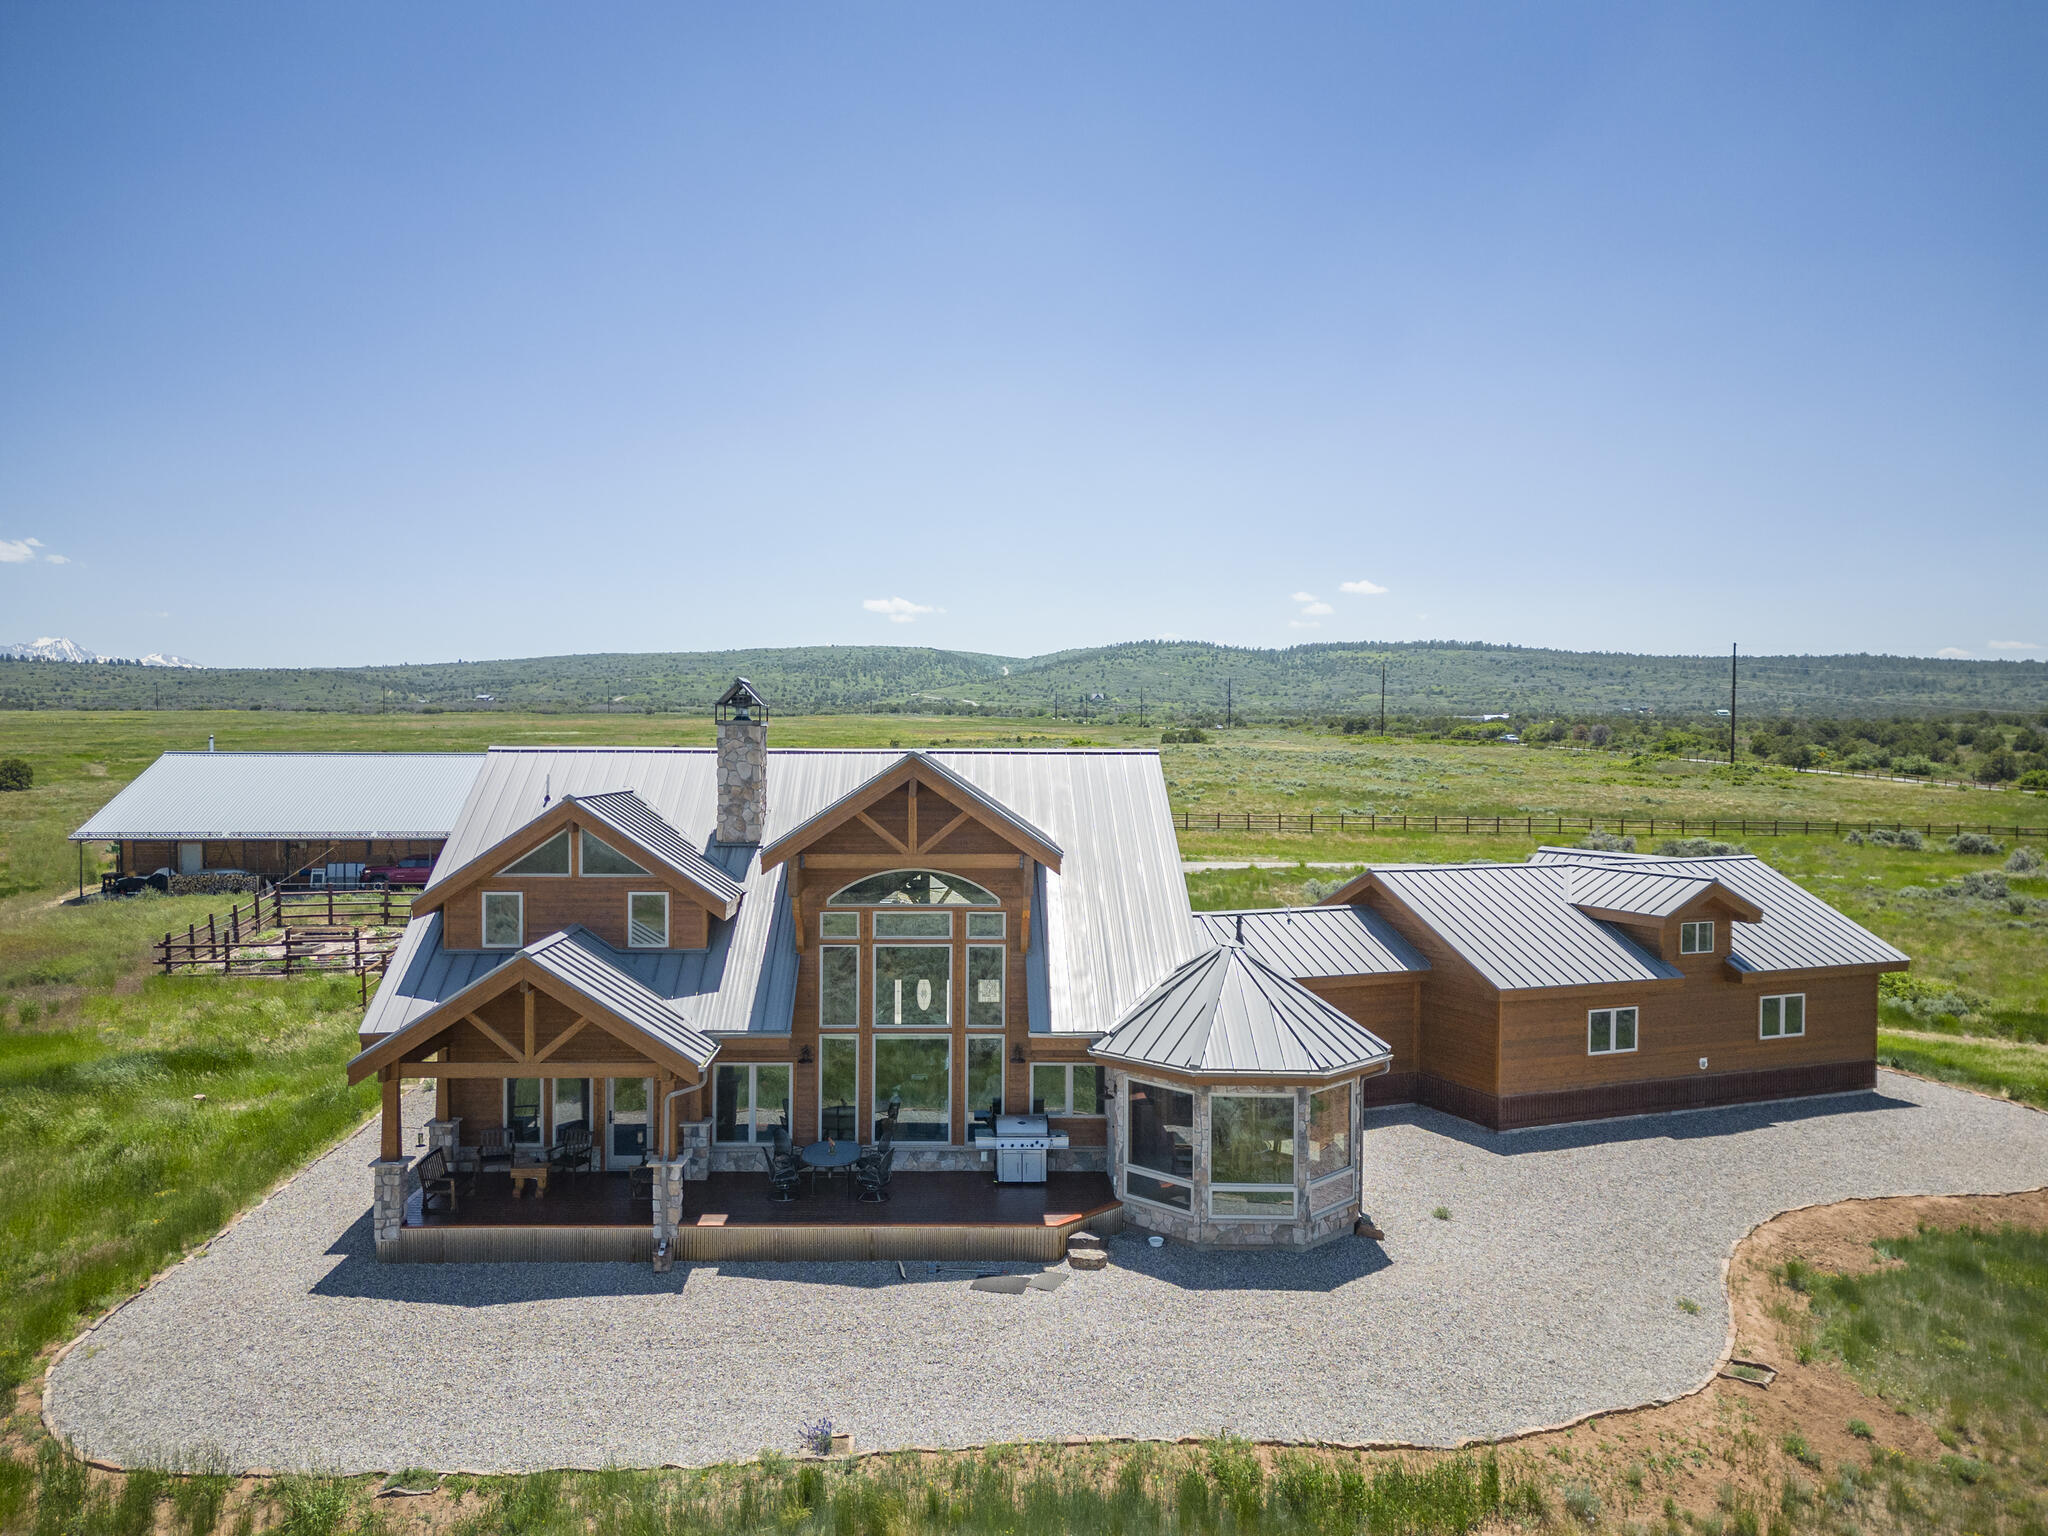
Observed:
{"x":394,"y":1129}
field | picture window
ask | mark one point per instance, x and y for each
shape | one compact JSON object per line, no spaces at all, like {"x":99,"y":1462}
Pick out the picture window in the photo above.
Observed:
{"x":1782,"y":1016}
{"x":1610,"y":1031}
{"x":550,"y":858}
{"x":647,"y":920}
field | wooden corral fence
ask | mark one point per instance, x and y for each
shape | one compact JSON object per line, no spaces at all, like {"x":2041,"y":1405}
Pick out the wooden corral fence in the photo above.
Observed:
{"x":292,"y":933}
{"x":1531,"y":826}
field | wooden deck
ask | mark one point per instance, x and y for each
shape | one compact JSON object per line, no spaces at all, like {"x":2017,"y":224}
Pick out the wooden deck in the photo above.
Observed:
{"x":732,"y":1216}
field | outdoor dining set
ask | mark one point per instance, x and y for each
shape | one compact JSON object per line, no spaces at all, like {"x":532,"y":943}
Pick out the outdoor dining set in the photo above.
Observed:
{"x":868,"y":1167}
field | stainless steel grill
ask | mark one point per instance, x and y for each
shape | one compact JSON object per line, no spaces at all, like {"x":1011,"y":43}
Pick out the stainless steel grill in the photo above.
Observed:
{"x":1020,"y":1143}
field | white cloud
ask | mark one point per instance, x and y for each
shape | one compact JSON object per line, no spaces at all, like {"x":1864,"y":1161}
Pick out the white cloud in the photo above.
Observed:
{"x":2014,"y":645}
{"x":1362,"y":588}
{"x":1303,"y":624}
{"x":1304,"y":597}
{"x":1953,"y":653}
{"x":1311,"y":607}
{"x":58,"y":559}
{"x":18,"y":551}
{"x":1317,"y":608}
{"x":898,"y":610}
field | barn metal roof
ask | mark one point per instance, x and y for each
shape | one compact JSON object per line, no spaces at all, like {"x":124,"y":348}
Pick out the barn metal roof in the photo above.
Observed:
{"x":1106,"y":927}
{"x":628,"y":814}
{"x":1228,"y":1013}
{"x":297,"y":796}
{"x":1317,"y":941}
{"x":1798,"y":932}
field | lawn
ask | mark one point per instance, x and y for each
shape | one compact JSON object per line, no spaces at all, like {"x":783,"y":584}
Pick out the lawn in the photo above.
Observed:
{"x":1991,"y":1066}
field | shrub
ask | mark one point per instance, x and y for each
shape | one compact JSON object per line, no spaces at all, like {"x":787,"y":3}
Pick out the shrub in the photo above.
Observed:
{"x":1861,"y":1430}
{"x":1183,"y":735}
{"x":2023,"y":861}
{"x":1600,"y":735}
{"x":1699,"y":848}
{"x":15,"y":773}
{"x":1974,"y":842}
{"x":1607,"y":842}
{"x":1979,"y":885}
{"x":2035,"y":779}
{"x":1582,"y":1503}
{"x":1884,"y":837}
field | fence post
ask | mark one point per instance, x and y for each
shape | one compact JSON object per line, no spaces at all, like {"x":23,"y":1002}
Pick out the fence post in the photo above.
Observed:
{"x":167,"y":954}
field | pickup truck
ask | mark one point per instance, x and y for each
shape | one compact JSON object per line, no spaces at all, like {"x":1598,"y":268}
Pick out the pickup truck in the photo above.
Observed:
{"x":413,"y":869}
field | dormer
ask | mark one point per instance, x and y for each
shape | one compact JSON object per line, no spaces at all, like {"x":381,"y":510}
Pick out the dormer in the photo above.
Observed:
{"x":609,"y":862}
{"x":1685,"y":920}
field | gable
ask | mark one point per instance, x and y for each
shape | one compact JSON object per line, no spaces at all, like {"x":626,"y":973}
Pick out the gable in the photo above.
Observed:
{"x":916,"y":810}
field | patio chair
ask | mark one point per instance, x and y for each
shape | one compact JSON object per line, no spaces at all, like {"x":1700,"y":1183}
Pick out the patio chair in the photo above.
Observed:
{"x":886,"y":1126}
{"x":439,"y":1181}
{"x":871,"y":1174}
{"x":839,"y":1122}
{"x":494,"y":1149}
{"x":781,"y":1143}
{"x":785,"y":1173}
{"x":571,"y":1151}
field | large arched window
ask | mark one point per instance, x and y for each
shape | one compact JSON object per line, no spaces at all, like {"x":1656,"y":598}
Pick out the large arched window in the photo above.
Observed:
{"x":914,"y":888}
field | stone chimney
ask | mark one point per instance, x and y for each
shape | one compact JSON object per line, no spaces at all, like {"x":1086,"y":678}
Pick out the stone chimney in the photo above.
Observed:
{"x":742,"y":764}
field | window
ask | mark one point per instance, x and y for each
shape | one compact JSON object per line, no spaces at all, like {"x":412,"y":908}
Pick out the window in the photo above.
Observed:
{"x":600,"y":858}
{"x":1251,"y":1155}
{"x":913,"y":925}
{"x":572,"y":1104}
{"x":751,"y":1103}
{"x":1067,"y":1090}
{"x":504,"y":920}
{"x":1782,"y":1016}
{"x":1159,"y":1144}
{"x":647,"y":920}
{"x":984,"y":1074}
{"x":839,"y":925}
{"x":984,"y":986}
{"x":1695,"y":938}
{"x":522,"y":1110}
{"x":914,"y":888}
{"x":913,"y":985}
{"x":838,"y":987}
{"x":984,"y":925}
{"x":839,"y":1087}
{"x":550,"y":858}
{"x":1610,"y":1030}
{"x":913,"y":1076}
{"x":1329,"y":1132}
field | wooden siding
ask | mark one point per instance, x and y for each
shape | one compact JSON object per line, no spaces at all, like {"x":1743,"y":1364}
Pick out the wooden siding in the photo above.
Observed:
{"x":276,"y":860}
{"x":1458,"y":1022}
{"x":560,"y":901}
{"x":1702,"y":1090}
{"x":1389,"y":1006}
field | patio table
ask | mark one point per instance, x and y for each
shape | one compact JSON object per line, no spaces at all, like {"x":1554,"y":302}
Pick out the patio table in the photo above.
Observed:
{"x":524,"y":1173}
{"x":828,"y":1157}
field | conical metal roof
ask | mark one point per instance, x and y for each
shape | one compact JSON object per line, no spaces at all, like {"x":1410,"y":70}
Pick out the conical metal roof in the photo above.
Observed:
{"x":1227,"y":1013}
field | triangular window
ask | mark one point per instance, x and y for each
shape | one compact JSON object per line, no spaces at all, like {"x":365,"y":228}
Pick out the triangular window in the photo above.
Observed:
{"x":550,"y":858}
{"x":600,"y":858}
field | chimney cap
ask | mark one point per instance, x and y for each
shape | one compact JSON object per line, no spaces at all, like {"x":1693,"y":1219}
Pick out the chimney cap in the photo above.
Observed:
{"x":740,"y":702}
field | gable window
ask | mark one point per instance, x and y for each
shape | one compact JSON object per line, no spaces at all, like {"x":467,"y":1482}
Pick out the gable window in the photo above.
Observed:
{"x":601,"y":858}
{"x":1251,"y":1155}
{"x":839,"y":925}
{"x":1781,"y":1016}
{"x":984,"y":1075}
{"x":1159,"y":1144}
{"x":1695,"y":938}
{"x":550,"y":858}
{"x":838,"y":987}
{"x":751,"y":1103}
{"x":647,"y":920}
{"x":913,"y":925}
{"x":913,"y":985}
{"x":984,"y":925}
{"x":1610,"y":1031}
{"x":984,"y":986}
{"x":914,"y":888}
{"x":504,"y":920}
{"x":1061,"y":1089}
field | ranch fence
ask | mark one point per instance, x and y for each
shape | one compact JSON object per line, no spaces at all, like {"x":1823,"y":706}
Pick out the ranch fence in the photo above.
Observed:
{"x":292,"y":933}
{"x":1461,"y":824}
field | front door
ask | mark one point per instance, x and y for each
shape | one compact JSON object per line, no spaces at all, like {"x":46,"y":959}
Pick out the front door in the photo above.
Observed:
{"x":629,"y":1119}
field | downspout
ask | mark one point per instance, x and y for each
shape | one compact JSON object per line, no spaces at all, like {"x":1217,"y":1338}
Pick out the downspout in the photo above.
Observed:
{"x":667,"y":1120}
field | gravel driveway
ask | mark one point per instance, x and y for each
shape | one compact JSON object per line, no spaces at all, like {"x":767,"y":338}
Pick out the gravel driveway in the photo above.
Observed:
{"x":1551,"y":1291}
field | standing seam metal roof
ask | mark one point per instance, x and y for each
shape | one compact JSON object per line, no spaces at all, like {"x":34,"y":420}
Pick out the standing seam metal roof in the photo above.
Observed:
{"x":1317,"y":942}
{"x":295,"y":796}
{"x":627,"y":813}
{"x":1229,"y":1014}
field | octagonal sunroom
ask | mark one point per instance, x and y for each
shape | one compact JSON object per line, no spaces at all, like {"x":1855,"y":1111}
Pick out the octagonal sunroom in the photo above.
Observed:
{"x":1234,"y":1106}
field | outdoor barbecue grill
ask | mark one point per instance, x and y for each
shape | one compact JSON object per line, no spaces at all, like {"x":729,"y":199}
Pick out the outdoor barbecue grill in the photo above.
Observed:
{"x":1020,"y":1143}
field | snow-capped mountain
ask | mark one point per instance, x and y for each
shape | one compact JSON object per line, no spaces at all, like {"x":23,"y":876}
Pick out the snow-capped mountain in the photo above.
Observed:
{"x":52,"y":648}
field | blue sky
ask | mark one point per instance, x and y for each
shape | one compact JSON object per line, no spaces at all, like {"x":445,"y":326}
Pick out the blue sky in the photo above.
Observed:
{"x":346,"y":333}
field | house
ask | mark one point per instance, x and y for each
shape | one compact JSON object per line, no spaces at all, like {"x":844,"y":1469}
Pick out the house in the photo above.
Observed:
{"x":283,"y":814}
{"x":685,"y":958}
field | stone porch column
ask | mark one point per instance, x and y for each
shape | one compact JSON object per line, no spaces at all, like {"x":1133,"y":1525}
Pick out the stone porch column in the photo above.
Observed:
{"x":695,"y":1152}
{"x":447,"y":1136}
{"x":669,"y":1179}
{"x":389,"y":1178}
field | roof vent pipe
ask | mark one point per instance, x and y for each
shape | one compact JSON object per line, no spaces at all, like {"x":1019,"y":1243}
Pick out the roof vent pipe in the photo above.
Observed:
{"x":209,"y":743}
{"x":547,"y":790}
{"x":1240,"y":927}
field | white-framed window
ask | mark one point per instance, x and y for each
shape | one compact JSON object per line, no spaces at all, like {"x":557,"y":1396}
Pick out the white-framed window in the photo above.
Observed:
{"x":1159,"y":1145}
{"x":522,"y":1110}
{"x":1329,"y":1132}
{"x":913,"y":985}
{"x":550,"y":858}
{"x":839,"y":1087}
{"x":504,"y":919}
{"x":1066,"y":1088}
{"x":984,"y":1077}
{"x":839,"y":986}
{"x":984,"y":925}
{"x":647,"y":919}
{"x":913,"y":925}
{"x":1781,"y":1016}
{"x":1251,"y":1156}
{"x":601,"y":860}
{"x":1695,"y":938}
{"x":750,"y":1102}
{"x":985,"y":986}
{"x":1610,"y":1031}
{"x":838,"y":925}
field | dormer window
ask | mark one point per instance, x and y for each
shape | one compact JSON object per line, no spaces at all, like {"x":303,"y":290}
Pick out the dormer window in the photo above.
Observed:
{"x":647,"y":920}
{"x":601,"y":858}
{"x":550,"y":858}
{"x":1695,"y":938}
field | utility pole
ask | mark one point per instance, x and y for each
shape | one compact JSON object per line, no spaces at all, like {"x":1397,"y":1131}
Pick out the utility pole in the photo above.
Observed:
{"x":1383,"y":698}
{"x":1229,"y":700}
{"x":1731,"y":705}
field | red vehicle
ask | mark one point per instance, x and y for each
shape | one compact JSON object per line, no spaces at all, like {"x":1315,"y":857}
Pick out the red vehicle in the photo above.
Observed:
{"x":413,"y":869}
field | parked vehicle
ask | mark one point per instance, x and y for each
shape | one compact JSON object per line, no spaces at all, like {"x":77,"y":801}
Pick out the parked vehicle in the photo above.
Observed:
{"x":129,"y":885}
{"x":413,"y":869}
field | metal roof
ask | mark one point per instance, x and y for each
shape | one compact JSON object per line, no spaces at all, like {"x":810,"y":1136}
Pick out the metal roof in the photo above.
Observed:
{"x":300,"y":796}
{"x":1517,"y":925}
{"x":969,"y":791}
{"x":1798,"y":932}
{"x":1229,"y":1014}
{"x":1633,"y":891}
{"x":1106,"y":927}
{"x":628,"y":814}
{"x":1317,"y":942}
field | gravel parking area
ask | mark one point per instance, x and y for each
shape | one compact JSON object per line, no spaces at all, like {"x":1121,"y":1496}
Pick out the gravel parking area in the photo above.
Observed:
{"x":1551,"y":1291}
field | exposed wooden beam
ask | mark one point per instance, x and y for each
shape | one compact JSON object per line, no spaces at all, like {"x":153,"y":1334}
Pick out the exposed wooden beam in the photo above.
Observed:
{"x":526,"y":995}
{"x":497,"y":1039}
{"x":561,"y":1040}
{"x":913,"y":812}
{"x":940,"y":836}
{"x":895,"y":843}
{"x":640,"y":1068}
{"x":940,"y":861}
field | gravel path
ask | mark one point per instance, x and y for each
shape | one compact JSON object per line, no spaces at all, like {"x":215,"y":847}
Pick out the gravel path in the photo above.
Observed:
{"x":1551,"y":1291}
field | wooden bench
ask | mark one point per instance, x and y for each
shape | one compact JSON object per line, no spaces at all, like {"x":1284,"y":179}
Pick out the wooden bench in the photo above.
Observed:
{"x":437,"y":1179}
